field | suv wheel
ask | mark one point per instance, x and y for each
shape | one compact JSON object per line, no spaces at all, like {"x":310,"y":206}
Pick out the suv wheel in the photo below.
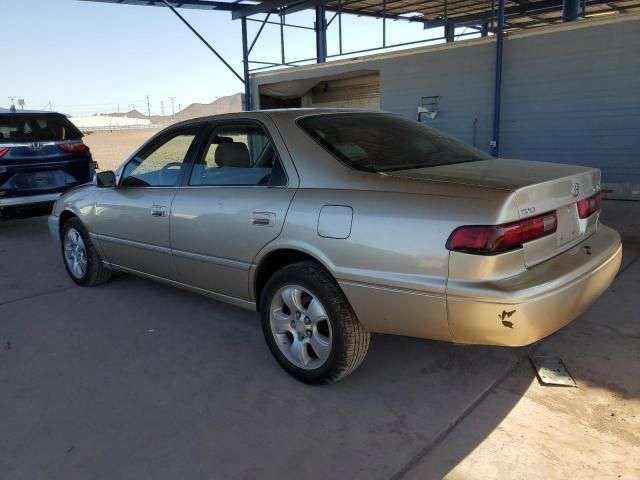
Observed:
{"x":81,"y":259}
{"x":309,"y":326}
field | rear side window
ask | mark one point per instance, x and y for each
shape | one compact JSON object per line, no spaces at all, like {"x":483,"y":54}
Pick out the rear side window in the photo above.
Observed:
{"x":28,"y":127}
{"x":239,"y":154}
{"x":381,"y":142}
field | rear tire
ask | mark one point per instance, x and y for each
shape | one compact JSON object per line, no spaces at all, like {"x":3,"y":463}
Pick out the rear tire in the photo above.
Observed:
{"x":80,"y":257}
{"x":309,"y":325}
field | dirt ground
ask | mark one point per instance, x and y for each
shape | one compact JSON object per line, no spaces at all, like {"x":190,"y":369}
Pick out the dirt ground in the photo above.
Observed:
{"x":111,"y":148}
{"x":136,"y":380}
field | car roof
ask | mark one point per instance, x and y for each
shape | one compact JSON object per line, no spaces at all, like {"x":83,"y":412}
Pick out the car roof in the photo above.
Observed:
{"x":17,"y":112}
{"x":278,"y":113}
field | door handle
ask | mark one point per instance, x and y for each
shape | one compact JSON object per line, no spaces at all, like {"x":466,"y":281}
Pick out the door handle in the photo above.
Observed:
{"x":267,"y":219}
{"x":158,"y":211}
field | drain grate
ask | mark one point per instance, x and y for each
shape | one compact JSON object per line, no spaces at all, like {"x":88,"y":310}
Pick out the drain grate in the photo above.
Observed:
{"x":552,"y":371}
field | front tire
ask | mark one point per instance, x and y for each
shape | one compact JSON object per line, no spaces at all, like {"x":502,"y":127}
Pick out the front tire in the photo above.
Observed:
{"x":309,"y":325}
{"x":80,"y":256}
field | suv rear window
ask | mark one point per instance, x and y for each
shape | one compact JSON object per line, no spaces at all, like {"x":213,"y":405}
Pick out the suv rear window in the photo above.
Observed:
{"x":384,"y":142}
{"x":37,"y":127}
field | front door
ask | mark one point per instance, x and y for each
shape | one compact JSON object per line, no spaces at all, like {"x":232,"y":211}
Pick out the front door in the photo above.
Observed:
{"x":233,"y":204}
{"x":131,"y":221}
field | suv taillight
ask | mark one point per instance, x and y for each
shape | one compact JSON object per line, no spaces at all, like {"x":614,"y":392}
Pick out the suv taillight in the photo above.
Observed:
{"x":589,"y":206}
{"x":73,"y":147}
{"x":3,"y":151}
{"x":487,"y":239}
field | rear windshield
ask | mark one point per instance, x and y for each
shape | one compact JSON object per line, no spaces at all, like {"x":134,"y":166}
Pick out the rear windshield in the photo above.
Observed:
{"x":28,"y":127}
{"x":382,"y":143}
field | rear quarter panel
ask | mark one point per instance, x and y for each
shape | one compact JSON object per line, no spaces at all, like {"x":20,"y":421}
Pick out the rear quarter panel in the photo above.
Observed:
{"x":393,"y":266}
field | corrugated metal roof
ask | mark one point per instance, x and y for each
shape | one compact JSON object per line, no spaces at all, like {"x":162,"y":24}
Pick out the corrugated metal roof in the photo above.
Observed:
{"x":518,"y":13}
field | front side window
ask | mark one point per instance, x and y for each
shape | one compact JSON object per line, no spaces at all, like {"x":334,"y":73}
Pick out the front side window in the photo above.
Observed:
{"x":381,"y":142}
{"x":160,"y":165}
{"x":238,"y":154}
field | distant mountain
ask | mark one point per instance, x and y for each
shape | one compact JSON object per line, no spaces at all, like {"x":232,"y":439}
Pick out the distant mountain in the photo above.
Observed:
{"x":227,"y":104}
{"x":129,"y":114}
{"x":230,"y":103}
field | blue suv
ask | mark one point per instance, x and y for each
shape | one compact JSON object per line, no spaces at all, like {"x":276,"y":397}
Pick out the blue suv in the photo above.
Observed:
{"x":41,"y":156}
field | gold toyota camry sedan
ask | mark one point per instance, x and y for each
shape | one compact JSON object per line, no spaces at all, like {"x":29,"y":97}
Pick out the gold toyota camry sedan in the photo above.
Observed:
{"x":335,"y":224}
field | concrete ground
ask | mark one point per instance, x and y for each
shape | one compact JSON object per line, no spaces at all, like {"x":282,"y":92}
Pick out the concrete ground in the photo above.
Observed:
{"x":135,"y":380}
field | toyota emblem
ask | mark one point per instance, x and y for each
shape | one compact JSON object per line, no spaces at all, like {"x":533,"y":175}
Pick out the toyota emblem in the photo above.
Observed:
{"x":575,"y":190}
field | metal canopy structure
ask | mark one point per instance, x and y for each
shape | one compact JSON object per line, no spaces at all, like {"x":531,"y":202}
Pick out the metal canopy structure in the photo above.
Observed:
{"x":478,"y":17}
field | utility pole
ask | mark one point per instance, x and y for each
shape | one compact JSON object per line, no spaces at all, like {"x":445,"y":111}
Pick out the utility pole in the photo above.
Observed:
{"x":162,"y":108}
{"x":148,"y":109}
{"x":173,"y":112}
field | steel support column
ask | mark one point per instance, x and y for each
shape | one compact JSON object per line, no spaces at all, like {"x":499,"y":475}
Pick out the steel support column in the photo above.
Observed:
{"x":245,"y":65}
{"x":571,"y":10}
{"x":484,"y":28}
{"x":321,"y":33}
{"x":449,"y":30}
{"x":495,"y":142}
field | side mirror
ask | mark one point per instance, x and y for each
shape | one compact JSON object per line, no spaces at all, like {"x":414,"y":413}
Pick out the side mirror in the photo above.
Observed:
{"x":106,"y":179}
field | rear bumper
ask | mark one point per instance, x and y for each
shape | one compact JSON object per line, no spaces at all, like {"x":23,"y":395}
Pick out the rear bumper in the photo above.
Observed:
{"x":527,"y":307}
{"x":29,"y":200}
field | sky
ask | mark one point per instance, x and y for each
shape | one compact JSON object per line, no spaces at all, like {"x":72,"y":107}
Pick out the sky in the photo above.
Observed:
{"x":87,"y":57}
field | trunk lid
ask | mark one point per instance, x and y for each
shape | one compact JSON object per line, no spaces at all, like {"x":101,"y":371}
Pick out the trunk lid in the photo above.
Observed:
{"x":538,"y":187}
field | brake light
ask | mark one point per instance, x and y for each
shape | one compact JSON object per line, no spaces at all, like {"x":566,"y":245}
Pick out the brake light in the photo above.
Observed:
{"x":73,"y":147}
{"x":589,"y":206}
{"x":3,"y":150}
{"x":484,"y":239}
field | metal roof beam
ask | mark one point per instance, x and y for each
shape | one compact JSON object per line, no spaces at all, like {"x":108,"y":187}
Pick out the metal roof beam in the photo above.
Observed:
{"x":306,"y":5}
{"x":363,"y":13}
{"x":262,"y":7}
{"x":194,"y":4}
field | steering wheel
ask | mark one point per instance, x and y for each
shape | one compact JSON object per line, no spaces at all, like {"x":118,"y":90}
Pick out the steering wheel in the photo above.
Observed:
{"x":168,"y":173}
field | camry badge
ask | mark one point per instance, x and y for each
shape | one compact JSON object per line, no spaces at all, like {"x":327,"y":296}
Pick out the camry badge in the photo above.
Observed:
{"x":575,"y":190}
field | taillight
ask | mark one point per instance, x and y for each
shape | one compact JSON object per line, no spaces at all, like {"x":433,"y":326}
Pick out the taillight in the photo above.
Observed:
{"x":3,"y":150}
{"x":500,"y":238}
{"x":589,"y":206}
{"x":73,"y":147}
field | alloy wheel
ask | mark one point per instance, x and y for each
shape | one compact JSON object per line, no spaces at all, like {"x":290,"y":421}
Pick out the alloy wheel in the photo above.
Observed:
{"x":300,"y":327}
{"x":75,"y":253}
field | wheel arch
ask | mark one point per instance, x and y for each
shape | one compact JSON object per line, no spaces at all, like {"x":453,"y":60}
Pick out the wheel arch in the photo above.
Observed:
{"x":64,"y":217}
{"x":273,"y":260}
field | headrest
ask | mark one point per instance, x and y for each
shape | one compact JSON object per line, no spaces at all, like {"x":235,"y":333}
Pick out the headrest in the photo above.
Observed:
{"x":234,"y":154}
{"x":219,"y":139}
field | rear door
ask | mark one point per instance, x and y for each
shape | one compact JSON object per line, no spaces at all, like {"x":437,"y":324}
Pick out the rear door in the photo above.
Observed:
{"x":234,"y":202}
{"x":131,"y":221}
